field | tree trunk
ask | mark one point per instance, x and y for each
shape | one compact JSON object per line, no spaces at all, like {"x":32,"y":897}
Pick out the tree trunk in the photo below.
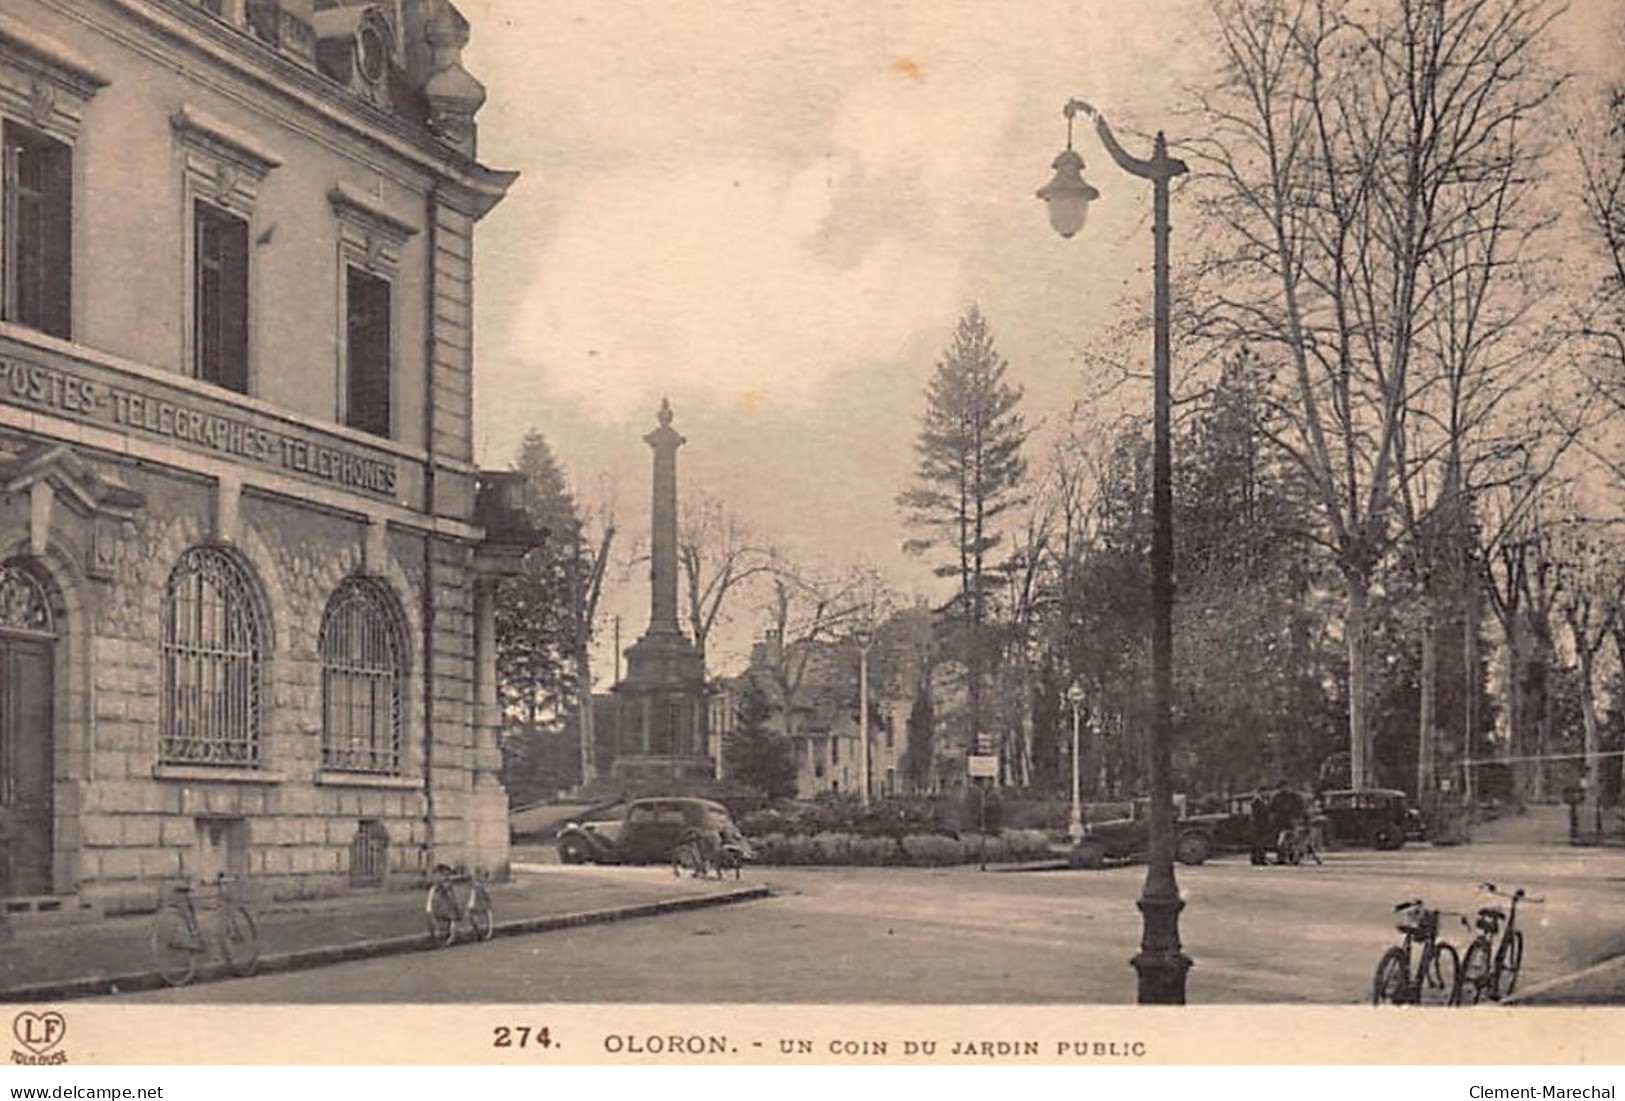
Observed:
{"x":586,"y":720}
{"x":1470,"y":685}
{"x":1427,"y":733}
{"x":1543,"y":730}
{"x":1588,"y":714}
{"x":1361,"y":772}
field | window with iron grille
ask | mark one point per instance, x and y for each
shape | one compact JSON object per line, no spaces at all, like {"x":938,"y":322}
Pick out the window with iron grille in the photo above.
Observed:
{"x":213,"y":640}
{"x":362,"y":675}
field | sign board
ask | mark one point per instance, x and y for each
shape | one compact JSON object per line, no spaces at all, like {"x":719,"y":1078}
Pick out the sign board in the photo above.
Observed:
{"x":983,"y":764}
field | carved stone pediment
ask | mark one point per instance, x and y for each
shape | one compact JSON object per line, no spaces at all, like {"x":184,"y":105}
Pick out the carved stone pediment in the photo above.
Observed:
{"x":74,"y":480}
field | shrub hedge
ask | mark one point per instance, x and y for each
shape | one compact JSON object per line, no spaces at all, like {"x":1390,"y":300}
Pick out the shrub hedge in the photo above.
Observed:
{"x":914,"y":849}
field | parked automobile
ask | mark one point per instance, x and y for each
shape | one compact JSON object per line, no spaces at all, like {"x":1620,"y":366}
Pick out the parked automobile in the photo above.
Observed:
{"x":1233,"y":830}
{"x":1379,"y":817}
{"x":645,"y":834}
{"x":1121,"y":839}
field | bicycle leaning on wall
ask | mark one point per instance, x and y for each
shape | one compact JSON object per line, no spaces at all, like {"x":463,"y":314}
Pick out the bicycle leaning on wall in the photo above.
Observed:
{"x":457,"y":897}
{"x":180,"y":939}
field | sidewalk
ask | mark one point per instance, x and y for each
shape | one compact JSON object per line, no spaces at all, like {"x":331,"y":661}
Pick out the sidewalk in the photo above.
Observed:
{"x":1600,"y":984}
{"x":51,"y":960}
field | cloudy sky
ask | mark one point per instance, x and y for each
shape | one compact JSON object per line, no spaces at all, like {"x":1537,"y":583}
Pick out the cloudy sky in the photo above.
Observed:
{"x":773,"y":212}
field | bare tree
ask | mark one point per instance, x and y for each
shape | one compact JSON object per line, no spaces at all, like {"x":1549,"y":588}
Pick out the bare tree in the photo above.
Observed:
{"x":718,"y":555}
{"x":1592,"y":590}
{"x":1600,"y":146}
{"x":584,"y":574}
{"x":1522,"y":573}
{"x":805,"y":612}
{"x":1358,"y":154}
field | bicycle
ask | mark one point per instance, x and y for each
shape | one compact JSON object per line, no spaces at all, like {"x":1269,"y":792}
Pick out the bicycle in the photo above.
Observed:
{"x":700,"y":855}
{"x":448,"y":909}
{"x":1297,"y":844}
{"x":1436,"y":979}
{"x":1490,"y":968}
{"x":179,"y":938}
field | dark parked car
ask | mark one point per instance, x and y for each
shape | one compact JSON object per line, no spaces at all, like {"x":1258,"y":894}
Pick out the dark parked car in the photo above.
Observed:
{"x":1379,"y":817}
{"x":1233,"y":827}
{"x":1119,"y":839}
{"x":646,"y":834}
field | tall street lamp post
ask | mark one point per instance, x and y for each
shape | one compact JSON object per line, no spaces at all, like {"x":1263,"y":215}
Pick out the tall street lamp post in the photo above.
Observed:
{"x":1074,"y":824}
{"x":1161,"y":964}
{"x":865,"y":639}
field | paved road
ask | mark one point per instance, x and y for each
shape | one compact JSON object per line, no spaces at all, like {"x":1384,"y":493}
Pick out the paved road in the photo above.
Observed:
{"x":961,"y":936}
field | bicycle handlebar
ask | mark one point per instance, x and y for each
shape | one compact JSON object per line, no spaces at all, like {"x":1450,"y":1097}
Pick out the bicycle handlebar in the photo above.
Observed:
{"x":1517,"y":895}
{"x":1407,"y":905}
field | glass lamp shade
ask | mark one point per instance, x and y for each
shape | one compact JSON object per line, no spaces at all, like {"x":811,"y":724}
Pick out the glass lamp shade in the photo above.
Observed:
{"x":1075,"y":695}
{"x":1068,"y":194}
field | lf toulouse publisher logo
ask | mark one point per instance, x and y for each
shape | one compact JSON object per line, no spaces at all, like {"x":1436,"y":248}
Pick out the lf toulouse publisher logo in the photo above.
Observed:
{"x":41,"y":1035}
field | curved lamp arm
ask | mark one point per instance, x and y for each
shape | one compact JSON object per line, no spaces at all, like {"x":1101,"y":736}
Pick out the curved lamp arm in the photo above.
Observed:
{"x":1160,"y":166}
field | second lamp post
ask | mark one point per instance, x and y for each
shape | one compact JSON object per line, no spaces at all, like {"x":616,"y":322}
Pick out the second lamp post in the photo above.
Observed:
{"x":1161,"y":963}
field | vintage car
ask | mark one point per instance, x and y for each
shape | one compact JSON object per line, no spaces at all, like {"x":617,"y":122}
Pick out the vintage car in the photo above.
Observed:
{"x":1123,"y":839}
{"x":1233,"y":832}
{"x":1379,"y":817}
{"x":645,"y":834}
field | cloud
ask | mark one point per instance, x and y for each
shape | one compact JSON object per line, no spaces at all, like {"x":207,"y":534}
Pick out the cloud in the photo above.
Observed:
{"x":722,"y":277}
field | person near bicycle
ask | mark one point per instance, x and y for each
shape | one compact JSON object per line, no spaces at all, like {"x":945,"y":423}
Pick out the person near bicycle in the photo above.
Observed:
{"x":1261,"y":830}
{"x":1288,"y":813}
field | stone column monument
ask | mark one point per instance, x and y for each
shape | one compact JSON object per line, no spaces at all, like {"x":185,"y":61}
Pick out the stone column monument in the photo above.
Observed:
{"x":660,"y":706}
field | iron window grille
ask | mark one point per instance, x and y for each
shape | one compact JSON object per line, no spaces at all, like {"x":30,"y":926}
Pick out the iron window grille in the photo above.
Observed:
{"x":213,"y":639}
{"x":24,"y":605}
{"x":362,"y":676}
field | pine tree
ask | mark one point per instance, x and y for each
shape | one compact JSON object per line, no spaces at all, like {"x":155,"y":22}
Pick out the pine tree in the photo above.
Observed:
{"x":970,"y":472}
{"x":920,"y":753}
{"x":534,"y":622}
{"x":754,"y":753}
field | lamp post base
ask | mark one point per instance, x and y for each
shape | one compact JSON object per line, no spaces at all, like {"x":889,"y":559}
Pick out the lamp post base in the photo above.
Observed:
{"x":1161,"y":964}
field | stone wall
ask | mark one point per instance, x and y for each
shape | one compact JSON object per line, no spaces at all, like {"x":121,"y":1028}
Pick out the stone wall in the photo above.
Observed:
{"x":127,"y":827}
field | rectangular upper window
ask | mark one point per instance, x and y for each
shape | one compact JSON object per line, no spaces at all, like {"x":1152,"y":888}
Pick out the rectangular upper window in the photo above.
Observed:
{"x":220,"y":297}
{"x":38,"y":231}
{"x":367,"y":351}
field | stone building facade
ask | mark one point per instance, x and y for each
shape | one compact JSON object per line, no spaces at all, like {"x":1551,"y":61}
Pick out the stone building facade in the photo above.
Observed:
{"x":247,"y":562}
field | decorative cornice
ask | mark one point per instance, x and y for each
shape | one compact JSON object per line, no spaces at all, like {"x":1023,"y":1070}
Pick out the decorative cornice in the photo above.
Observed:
{"x":174,"y":28}
{"x":223,"y":139}
{"x":351,"y":202}
{"x":57,"y":59}
{"x":476,"y":194}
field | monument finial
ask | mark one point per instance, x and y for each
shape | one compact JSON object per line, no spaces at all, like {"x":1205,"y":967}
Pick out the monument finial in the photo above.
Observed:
{"x":665,"y":412}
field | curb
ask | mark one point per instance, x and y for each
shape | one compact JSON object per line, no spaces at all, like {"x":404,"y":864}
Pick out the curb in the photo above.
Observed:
{"x":1055,"y":864}
{"x":325,"y":955}
{"x":1522,"y":997}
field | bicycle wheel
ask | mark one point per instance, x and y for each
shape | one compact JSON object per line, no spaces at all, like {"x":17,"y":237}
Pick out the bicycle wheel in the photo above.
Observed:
{"x":1440,"y":974}
{"x":239,"y":940}
{"x":686,"y":858}
{"x":1506,"y":975}
{"x":1391,"y":985}
{"x":440,"y":908}
{"x":176,"y":945}
{"x":1475,"y":973}
{"x":480,"y":916}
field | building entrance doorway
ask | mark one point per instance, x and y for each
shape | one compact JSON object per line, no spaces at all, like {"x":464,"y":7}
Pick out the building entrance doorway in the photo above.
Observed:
{"x":27,"y":651}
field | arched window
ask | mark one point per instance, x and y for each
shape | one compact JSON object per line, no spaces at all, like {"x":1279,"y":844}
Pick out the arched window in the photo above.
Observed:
{"x":362,"y":677}
{"x":214,"y":637}
{"x":24,"y":605}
